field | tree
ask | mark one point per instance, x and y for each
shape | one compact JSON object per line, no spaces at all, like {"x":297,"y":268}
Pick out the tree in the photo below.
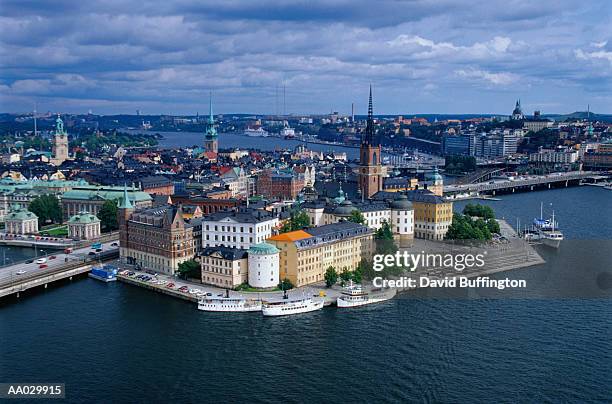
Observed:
{"x":345,"y":275}
{"x":47,"y":208}
{"x":358,"y":274}
{"x":483,"y":211}
{"x":285,"y":284}
{"x":190,"y":269}
{"x":356,"y":217}
{"x":331,"y":276}
{"x":298,"y":220}
{"x":108,"y":215}
{"x":384,"y":239}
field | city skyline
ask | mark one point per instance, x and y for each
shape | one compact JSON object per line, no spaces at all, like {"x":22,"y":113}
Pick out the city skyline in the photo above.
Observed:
{"x":421,"y":57}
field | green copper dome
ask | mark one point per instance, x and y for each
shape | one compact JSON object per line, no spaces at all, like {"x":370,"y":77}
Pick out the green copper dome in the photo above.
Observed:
{"x":263,"y":249}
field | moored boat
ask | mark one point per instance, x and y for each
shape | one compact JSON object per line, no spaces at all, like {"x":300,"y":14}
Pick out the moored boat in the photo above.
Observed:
{"x":288,"y":307}
{"x":229,"y":304}
{"x":355,"y":296}
{"x":106,"y":273}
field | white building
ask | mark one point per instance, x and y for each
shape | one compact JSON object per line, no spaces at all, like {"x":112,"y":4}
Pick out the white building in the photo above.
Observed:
{"x":398,"y":213}
{"x":564,"y":156}
{"x":237,"y":229}
{"x":21,"y":221}
{"x":237,"y":181}
{"x":263,"y":266}
{"x":84,"y":226}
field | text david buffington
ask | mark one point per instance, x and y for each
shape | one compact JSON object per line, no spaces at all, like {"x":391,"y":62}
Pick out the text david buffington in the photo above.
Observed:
{"x":459,"y":262}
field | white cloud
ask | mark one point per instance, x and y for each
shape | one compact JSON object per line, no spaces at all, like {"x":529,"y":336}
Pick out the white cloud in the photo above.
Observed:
{"x":502,"y":78}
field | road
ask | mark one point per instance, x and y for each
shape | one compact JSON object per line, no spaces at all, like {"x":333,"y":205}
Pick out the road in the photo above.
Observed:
{"x":25,"y":271}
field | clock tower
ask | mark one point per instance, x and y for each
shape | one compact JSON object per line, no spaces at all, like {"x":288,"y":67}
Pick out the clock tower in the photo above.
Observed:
{"x":370,"y":169}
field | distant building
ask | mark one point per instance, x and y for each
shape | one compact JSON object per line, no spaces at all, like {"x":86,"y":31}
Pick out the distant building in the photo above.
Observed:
{"x":496,"y":145}
{"x":157,"y":185}
{"x":305,"y":255}
{"x":84,"y":226}
{"x":236,"y":180}
{"x":564,"y":156}
{"x":599,"y":159}
{"x":536,"y":125}
{"x":60,"y":143}
{"x":280,"y":184}
{"x":517,"y":113}
{"x":211,"y":138}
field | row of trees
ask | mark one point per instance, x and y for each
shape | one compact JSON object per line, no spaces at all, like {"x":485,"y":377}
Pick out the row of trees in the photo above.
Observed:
{"x":478,"y":210}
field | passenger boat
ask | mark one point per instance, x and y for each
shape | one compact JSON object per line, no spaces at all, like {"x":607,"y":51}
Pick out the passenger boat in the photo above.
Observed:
{"x":229,"y":304}
{"x":355,"y":296}
{"x":259,"y":132}
{"x":288,"y":307}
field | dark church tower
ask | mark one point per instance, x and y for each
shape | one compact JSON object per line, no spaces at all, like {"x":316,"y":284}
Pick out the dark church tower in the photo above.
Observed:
{"x":370,"y":169}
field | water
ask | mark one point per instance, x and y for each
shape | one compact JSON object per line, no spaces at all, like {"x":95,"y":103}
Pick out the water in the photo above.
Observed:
{"x":551,"y":343}
{"x":232,"y":140}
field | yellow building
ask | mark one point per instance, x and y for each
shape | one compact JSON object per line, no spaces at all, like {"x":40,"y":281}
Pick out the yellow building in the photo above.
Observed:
{"x":433,"y":215}
{"x":305,"y":255}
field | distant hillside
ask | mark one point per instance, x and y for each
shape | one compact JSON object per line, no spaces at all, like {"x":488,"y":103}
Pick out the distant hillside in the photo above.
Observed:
{"x":581,"y":115}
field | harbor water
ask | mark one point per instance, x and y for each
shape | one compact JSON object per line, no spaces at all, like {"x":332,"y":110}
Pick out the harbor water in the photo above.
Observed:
{"x":549,"y":343}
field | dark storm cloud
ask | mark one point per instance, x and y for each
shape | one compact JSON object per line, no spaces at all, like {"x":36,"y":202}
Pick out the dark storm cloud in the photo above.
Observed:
{"x":422,"y":56}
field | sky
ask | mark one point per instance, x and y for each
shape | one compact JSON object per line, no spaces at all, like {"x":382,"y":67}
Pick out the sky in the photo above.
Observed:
{"x":421,"y":56}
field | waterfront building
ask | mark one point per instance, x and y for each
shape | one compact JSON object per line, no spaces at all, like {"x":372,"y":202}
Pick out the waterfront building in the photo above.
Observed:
{"x":601,"y":158}
{"x":264,"y":270}
{"x":305,"y":255}
{"x":157,"y":238}
{"x":60,"y":143}
{"x":91,"y":198}
{"x":239,"y":228}
{"x":462,"y":145}
{"x":211,"y":138}
{"x":84,"y":226}
{"x":561,"y":156}
{"x":433,"y":215}
{"x":370,"y":175}
{"x":21,"y":221}
{"x":224,"y":267}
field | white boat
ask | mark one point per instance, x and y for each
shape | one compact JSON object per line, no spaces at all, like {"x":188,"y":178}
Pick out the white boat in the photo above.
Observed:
{"x":296,"y":306}
{"x":229,"y":304}
{"x":287,"y":132}
{"x":355,"y":296}
{"x":259,"y":132}
{"x":552,"y":238}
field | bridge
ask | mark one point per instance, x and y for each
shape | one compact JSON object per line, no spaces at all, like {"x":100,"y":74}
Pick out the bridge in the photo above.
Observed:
{"x":480,"y":175}
{"x":524,"y":183}
{"x":26,"y":275}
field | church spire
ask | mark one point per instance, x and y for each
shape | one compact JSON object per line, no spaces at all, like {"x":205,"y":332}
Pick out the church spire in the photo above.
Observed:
{"x":369,"y":133}
{"x":211,"y":118}
{"x":125,"y":202}
{"x":211,"y":131}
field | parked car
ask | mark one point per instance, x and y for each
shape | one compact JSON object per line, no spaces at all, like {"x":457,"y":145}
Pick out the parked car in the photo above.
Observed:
{"x":170,"y":285}
{"x":42,"y":266}
{"x":91,"y":253}
{"x":150,"y":272}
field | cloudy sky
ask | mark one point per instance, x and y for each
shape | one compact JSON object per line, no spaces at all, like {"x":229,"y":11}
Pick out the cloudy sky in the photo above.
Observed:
{"x":421,"y":56}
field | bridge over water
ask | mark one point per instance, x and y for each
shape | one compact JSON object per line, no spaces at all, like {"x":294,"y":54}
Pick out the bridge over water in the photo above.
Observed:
{"x":526,"y":183}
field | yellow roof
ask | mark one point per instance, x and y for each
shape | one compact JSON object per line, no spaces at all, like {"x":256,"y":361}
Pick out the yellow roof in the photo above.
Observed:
{"x":291,"y":236}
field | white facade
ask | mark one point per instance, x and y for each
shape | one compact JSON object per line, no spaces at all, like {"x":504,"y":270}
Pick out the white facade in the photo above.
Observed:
{"x":229,"y":232}
{"x":553,"y":156}
{"x":402,"y":222}
{"x":263,"y":270}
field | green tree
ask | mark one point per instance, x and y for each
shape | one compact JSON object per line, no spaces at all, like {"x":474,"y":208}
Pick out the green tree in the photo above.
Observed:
{"x":384,"y":239}
{"x":190,"y":269}
{"x":356,"y":217}
{"x":331,"y":276}
{"x":108,"y":215}
{"x":358,"y":274}
{"x":345,"y":275}
{"x":285,"y":284}
{"x":47,"y":208}
{"x":297,"y":221}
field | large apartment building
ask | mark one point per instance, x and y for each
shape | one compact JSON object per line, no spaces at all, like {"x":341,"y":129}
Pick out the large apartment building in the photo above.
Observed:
{"x":157,"y":238}
{"x":305,"y":255}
